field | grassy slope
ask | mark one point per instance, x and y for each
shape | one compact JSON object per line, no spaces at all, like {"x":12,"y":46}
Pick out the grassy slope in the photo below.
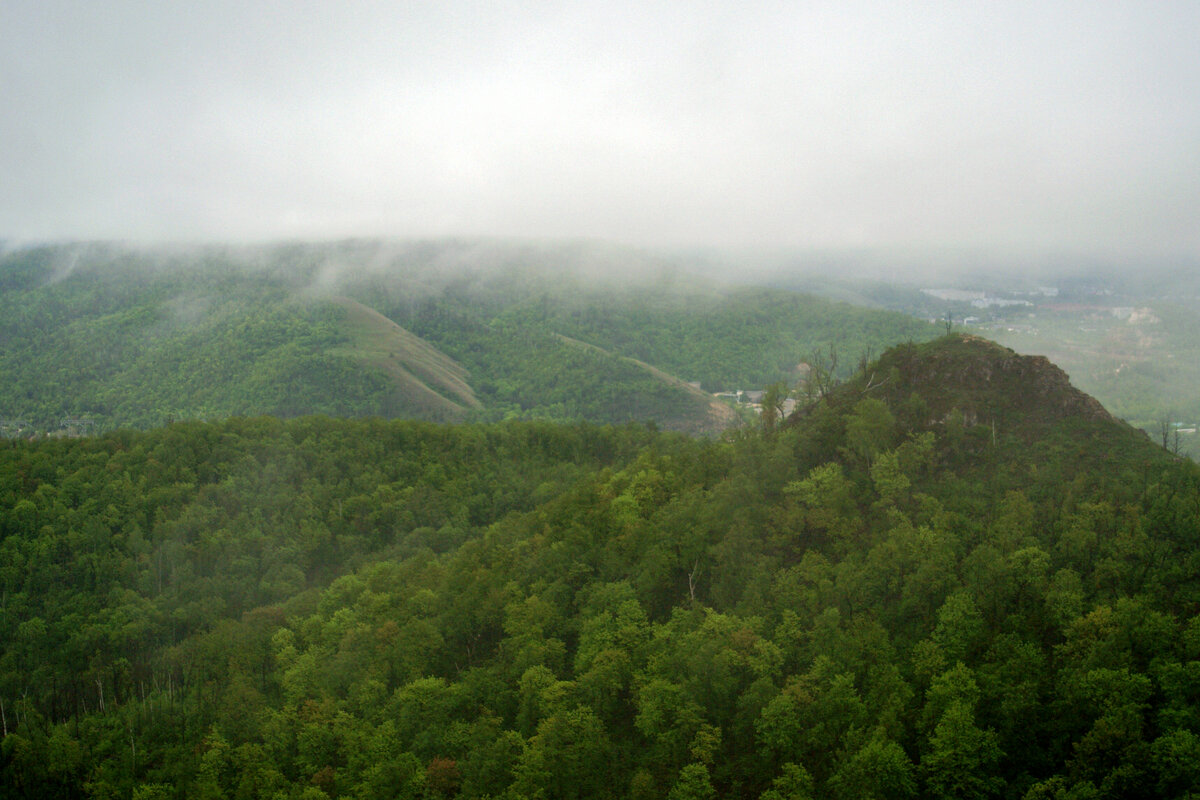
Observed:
{"x":424,"y":378}
{"x":736,"y":339}
{"x":126,"y":354}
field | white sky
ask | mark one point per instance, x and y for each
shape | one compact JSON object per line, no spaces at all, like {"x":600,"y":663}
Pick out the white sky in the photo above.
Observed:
{"x":1032,"y":125}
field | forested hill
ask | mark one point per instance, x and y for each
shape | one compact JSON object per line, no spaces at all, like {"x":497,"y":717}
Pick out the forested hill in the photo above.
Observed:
{"x":97,"y":337}
{"x":948,"y":577}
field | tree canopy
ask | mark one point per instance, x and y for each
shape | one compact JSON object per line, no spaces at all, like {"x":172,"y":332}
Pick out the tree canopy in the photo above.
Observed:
{"x":360,"y":608}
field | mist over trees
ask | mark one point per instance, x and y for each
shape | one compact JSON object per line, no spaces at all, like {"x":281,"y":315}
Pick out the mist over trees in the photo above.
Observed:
{"x":442,"y":331}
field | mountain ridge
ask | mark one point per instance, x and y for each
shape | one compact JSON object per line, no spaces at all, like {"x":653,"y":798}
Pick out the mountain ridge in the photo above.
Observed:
{"x":126,"y":336}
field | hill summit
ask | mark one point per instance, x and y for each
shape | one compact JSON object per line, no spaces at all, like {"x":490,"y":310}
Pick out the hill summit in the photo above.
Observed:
{"x":982,"y":379}
{"x":988,"y":407}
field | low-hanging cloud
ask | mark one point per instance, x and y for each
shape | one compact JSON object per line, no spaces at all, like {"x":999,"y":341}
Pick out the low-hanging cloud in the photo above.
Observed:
{"x":1057,"y":126}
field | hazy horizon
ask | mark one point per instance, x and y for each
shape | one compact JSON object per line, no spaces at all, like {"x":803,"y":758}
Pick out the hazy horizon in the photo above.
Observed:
{"x":868,"y":127}
{"x":604,"y":262}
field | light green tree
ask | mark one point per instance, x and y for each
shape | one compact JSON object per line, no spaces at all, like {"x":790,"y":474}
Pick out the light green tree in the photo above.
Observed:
{"x":870,"y":429}
{"x":693,"y":784}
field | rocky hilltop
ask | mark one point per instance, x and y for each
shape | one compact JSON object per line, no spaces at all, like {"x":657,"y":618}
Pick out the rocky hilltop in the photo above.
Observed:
{"x":983,"y":380}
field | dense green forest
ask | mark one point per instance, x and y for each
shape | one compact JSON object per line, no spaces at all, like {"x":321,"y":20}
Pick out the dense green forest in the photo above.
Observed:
{"x":138,"y":341}
{"x":108,"y":336}
{"x":954,"y":576}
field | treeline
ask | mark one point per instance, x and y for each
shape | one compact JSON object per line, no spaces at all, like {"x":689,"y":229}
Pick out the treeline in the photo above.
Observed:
{"x":874,"y":599}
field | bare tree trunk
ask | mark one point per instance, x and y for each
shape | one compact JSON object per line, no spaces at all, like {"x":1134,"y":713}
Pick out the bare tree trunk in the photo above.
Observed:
{"x":132,"y":748}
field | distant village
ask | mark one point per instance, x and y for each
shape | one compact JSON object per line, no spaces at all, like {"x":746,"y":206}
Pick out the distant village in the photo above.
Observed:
{"x":68,"y":428}
{"x":1016,"y":313}
{"x":751,"y":400}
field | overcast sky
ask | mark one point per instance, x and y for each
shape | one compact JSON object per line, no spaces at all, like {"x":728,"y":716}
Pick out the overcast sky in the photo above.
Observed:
{"x":1031,"y":125}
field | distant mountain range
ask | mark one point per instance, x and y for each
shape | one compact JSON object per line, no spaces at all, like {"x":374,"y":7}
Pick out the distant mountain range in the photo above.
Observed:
{"x":111,"y":336}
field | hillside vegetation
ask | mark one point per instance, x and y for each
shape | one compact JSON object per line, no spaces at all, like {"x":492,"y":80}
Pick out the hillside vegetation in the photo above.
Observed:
{"x":124,"y":339}
{"x":111,"y":336}
{"x":954,"y":576}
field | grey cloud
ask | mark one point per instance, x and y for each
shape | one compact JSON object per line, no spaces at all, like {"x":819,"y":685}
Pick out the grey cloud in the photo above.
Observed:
{"x":1066,"y":126}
